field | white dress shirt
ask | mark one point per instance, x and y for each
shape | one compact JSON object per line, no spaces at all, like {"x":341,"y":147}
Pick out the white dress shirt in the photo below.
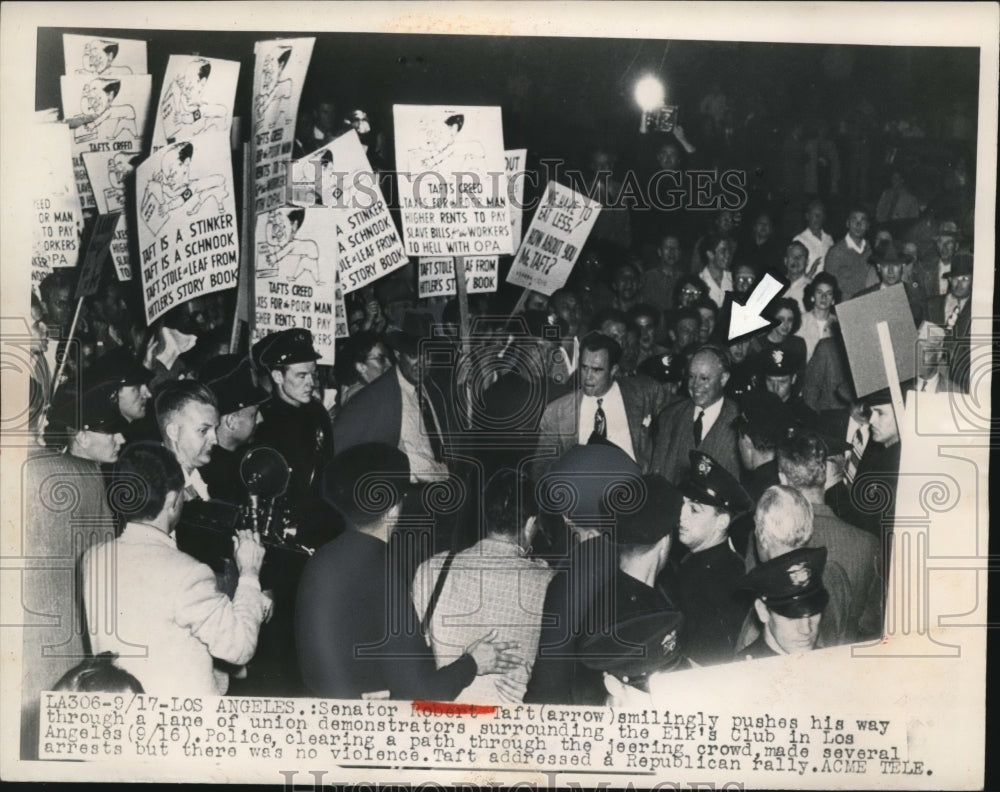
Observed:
{"x":614,"y":410}
{"x":708,"y":419}
{"x":413,"y":440}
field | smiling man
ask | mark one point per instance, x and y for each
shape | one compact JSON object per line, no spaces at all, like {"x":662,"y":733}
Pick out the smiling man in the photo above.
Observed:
{"x":705,"y":421}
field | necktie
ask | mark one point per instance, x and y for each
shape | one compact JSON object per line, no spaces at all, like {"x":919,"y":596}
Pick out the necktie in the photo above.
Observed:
{"x":953,"y":316}
{"x":600,"y":421}
{"x":430,"y":426}
{"x":923,"y":384}
{"x":698,"y":428}
{"x":854,"y":457}
{"x":190,"y":493}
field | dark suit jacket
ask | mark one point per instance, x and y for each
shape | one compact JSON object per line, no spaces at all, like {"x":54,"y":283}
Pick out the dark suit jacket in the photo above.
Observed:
{"x":559,"y":428}
{"x":66,"y":512}
{"x":957,"y":343}
{"x":675,"y":440}
{"x":356,"y":630}
{"x":375,"y":414}
{"x":826,"y":372}
{"x":879,"y":467}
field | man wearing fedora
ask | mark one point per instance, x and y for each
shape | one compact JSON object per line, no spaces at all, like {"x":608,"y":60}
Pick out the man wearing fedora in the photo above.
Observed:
{"x":932,"y":270}
{"x":953,"y":312}
{"x":294,"y":420}
{"x":889,"y":266}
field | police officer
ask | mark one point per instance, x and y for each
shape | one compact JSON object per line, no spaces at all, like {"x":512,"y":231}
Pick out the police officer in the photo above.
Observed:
{"x":127,"y":380}
{"x":790,"y":598}
{"x":781,"y":369}
{"x":294,"y":421}
{"x":230,"y":378}
{"x":708,"y":575}
{"x":667,"y":370}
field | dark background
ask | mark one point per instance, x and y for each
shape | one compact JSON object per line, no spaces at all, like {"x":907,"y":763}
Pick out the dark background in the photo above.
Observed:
{"x":561,"y":95}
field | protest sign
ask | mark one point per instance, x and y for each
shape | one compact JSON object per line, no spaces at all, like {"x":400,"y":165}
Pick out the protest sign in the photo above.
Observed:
{"x":99,"y":236}
{"x":56,"y":215}
{"x":436,"y":276}
{"x":197,"y":97}
{"x":555,"y":237}
{"x":279,"y":70}
{"x":107,"y":174}
{"x":858,"y":319}
{"x":187,"y":222}
{"x":106,"y":115}
{"x":295,"y":274}
{"x":338,"y":176}
{"x":452,"y":180}
{"x":340,"y":328}
{"x":104,"y":56}
{"x":515,"y":161}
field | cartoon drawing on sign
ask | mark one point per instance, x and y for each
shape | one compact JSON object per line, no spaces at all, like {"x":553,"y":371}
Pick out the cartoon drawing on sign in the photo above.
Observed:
{"x":273,"y":103}
{"x":119,"y":166}
{"x":442,"y":144}
{"x":182,"y":110}
{"x":100,"y":118}
{"x":329,"y":189}
{"x":99,"y":56}
{"x":282,"y":248}
{"x":171,"y":187}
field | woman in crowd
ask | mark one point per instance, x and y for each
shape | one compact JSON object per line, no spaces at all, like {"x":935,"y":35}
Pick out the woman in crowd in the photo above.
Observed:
{"x":364,"y":359}
{"x":819,"y":297}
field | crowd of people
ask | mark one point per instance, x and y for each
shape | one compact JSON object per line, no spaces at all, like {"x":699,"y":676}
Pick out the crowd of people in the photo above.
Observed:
{"x":600,"y":485}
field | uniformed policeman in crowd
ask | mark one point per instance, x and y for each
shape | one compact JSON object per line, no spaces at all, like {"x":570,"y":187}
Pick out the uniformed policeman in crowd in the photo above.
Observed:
{"x":782,"y":369}
{"x":708,"y":575}
{"x":127,"y":381}
{"x":231,"y":379}
{"x":295,"y":423}
{"x":790,"y":598}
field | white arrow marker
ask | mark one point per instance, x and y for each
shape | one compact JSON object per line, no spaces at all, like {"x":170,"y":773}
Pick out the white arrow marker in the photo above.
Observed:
{"x":746,"y":318}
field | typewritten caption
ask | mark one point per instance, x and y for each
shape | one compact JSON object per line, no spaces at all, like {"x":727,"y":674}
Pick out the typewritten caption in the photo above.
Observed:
{"x":77,"y":726}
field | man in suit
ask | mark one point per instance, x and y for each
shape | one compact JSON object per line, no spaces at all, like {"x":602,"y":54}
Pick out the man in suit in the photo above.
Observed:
{"x":932,"y":271}
{"x":889,"y":266}
{"x":356,"y":630}
{"x":620,"y":412}
{"x":58,"y":532}
{"x":802,"y":465}
{"x":932,"y":368}
{"x":705,"y":421}
{"x":408,"y":407}
{"x":953,"y":312}
{"x":877,"y":468}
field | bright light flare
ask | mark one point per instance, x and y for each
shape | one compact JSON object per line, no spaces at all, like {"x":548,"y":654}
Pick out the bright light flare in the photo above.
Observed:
{"x":649,"y":93}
